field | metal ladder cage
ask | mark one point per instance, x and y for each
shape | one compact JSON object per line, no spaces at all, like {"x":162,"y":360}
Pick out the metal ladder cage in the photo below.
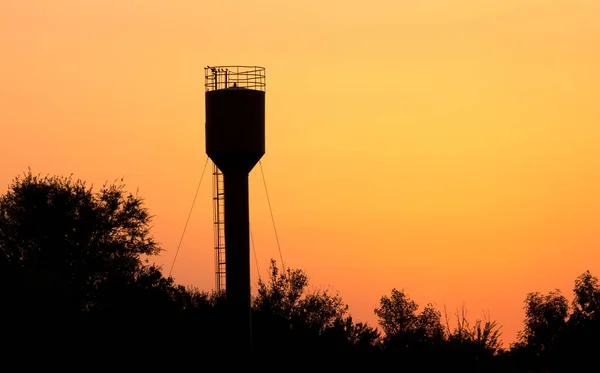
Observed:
{"x":219,"y":229}
{"x":234,"y":77}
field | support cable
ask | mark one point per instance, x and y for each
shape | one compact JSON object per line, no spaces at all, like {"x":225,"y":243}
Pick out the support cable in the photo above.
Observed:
{"x":272,"y":218}
{"x":188,"y":218}
{"x":255,"y":256}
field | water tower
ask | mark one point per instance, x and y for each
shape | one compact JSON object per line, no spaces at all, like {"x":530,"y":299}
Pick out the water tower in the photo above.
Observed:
{"x":235,"y":142}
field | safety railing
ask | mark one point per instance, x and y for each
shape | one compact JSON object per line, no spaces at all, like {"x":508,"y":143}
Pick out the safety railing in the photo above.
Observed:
{"x":234,"y":77}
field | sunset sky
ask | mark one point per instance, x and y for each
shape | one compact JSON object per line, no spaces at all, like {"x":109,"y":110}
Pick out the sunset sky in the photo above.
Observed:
{"x":445,"y":147}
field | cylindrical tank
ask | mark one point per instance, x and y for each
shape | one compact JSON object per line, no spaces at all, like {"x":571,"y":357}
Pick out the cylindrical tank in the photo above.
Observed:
{"x":235,"y":141}
{"x":235,"y":117}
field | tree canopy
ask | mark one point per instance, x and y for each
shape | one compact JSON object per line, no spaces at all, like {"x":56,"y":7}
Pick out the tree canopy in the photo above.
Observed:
{"x":75,"y":271}
{"x":291,"y":315}
{"x":61,"y":239}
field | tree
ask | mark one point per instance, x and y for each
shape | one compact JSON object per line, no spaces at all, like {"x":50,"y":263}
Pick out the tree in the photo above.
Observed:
{"x":483,"y":335}
{"x":408,"y":332}
{"x":62,"y":246}
{"x":289,"y":316}
{"x":287,"y":295}
{"x":397,"y":314}
{"x":429,"y":324}
{"x":579,"y":340}
{"x":545,"y":317}
{"x":538,"y":348}
{"x":361,"y":335}
{"x":559,"y":338}
{"x":586,"y":303}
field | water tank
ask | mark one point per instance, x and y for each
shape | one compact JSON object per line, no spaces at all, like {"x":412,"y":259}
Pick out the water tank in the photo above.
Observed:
{"x":235,"y":116}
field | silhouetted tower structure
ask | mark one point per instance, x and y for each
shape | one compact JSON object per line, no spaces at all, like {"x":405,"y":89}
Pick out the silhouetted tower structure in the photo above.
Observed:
{"x":235,"y":142}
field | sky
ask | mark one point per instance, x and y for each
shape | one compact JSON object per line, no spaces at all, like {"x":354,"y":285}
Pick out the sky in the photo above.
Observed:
{"x":446,"y":148}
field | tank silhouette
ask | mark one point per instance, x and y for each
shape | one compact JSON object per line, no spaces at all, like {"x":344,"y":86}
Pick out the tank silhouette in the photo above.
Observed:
{"x":235,"y":142}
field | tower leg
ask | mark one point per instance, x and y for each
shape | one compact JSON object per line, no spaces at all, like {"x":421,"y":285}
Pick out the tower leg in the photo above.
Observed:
{"x":237,"y":256}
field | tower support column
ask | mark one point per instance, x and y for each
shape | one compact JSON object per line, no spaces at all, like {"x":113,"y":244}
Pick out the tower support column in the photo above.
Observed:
{"x":237,"y":256}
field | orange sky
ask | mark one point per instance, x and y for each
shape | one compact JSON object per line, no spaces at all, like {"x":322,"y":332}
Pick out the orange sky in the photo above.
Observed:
{"x":448,"y":148}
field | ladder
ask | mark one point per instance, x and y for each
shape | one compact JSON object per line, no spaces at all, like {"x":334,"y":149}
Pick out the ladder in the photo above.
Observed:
{"x":219,"y":228}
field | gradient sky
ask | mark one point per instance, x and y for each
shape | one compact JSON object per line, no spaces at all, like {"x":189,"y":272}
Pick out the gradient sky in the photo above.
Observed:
{"x":447,"y":148}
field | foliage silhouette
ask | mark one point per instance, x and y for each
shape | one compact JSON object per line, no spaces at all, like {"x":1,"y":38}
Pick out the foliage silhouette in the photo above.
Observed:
{"x":74,"y":263}
{"x":581,"y":341}
{"x":62,"y":245}
{"x":546,"y":316}
{"x":483,"y":335}
{"x":289,"y":316}
{"x":75,"y":276}
{"x":558,"y":337}
{"x":403,"y":326}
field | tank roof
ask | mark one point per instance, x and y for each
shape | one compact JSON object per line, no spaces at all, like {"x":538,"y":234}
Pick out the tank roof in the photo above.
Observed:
{"x":235,"y":87}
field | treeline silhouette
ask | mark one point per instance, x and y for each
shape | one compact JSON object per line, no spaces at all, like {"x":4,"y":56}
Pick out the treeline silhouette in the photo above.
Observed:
{"x":75,"y":277}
